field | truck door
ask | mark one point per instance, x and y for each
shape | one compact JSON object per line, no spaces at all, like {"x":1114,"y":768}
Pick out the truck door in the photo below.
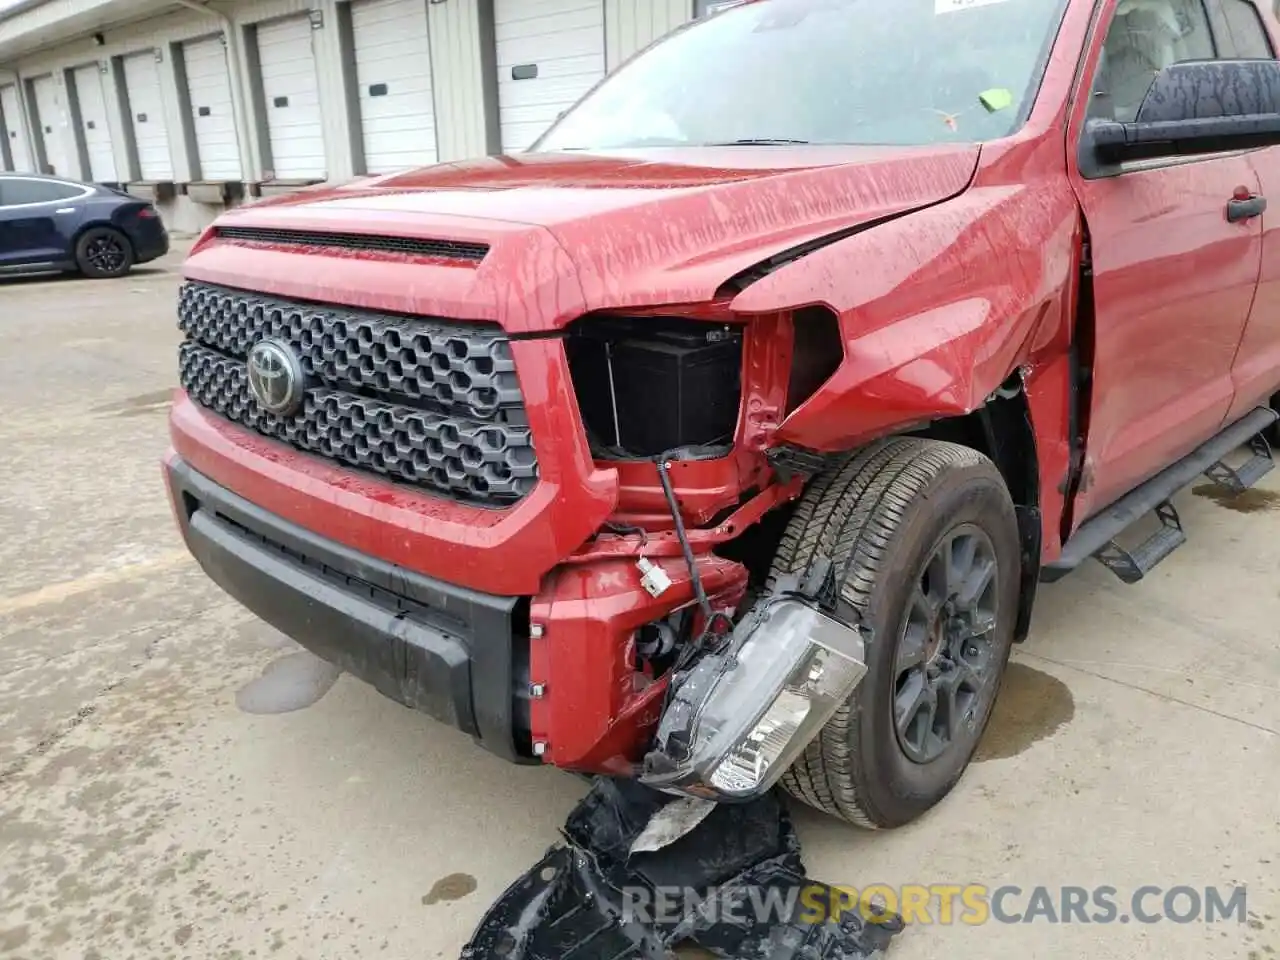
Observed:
{"x":1253,"y":31}
{"x":1173,"y":277}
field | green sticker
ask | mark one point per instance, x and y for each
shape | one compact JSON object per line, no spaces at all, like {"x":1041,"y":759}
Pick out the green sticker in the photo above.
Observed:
{"x":997,"y":98}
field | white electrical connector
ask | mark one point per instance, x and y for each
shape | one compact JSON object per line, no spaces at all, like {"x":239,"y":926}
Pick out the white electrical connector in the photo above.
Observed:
{"x":652,"y":577}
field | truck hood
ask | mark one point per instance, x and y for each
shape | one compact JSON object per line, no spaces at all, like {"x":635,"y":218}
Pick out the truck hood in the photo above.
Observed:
{"x":604,"y":231}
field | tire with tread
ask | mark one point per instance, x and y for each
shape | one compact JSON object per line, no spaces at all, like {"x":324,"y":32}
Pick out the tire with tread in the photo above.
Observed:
{"x":95,"y":235}
{"x":880,"y":513}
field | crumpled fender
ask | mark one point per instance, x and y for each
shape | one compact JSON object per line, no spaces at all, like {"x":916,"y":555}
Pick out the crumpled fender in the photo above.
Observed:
{"x":936,"y":309}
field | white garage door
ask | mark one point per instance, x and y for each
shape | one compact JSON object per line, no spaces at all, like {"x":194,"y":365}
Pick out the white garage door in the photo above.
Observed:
{"x":93,"y":121}
{"x":146,"y":114}
{"x":19,"y":155}
{"x":211,"y":111}
{"x":52,"y":126}
{"x":549,"y":52}
{"x":292,"y":98}
{"x":393,"y":71}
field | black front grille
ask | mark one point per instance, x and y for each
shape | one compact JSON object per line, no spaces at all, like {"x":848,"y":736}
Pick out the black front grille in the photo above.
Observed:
{"x":440,"y":249}
{"x":423,"y":402}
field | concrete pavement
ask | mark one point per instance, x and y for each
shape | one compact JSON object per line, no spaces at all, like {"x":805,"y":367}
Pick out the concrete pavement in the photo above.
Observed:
{"x":143,"y":814}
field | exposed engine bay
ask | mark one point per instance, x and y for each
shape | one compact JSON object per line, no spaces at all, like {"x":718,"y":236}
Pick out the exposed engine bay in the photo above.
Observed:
{"x":650,"y":385}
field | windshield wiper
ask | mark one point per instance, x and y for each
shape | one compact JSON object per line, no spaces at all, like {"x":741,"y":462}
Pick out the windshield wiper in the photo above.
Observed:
{"x":755,"y":142}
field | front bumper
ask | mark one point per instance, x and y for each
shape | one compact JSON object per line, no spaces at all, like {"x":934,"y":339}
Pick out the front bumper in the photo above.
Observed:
{"x":455,"y":654}
{"x":506,"y":552}
{"x":468,"y":659}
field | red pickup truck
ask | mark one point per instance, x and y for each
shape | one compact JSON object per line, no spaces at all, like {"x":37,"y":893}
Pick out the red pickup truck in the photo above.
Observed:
{"x":723,"y":438}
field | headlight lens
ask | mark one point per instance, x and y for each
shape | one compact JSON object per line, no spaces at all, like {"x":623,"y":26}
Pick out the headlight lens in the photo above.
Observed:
{"x":739,"y":718}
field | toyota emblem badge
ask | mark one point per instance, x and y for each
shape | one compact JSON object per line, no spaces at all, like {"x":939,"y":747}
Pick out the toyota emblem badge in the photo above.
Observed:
{"x":276,"y":378}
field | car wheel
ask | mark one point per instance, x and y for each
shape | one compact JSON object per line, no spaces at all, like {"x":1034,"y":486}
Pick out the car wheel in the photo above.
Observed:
{"x":103,"y":252}
{"x":926,"y":536}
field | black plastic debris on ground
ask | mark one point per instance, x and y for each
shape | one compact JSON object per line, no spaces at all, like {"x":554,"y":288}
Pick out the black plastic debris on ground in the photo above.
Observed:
{"x":735,"y":886}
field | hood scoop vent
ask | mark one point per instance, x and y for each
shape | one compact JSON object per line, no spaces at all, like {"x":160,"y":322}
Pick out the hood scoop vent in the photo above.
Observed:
{"x":357,"y":243}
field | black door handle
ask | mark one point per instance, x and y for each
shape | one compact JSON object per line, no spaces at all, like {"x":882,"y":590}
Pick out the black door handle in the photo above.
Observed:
{"x":1238,"y":210}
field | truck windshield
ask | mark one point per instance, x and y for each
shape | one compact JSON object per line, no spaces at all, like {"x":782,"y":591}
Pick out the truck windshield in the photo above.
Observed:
{"x":901,"y":72}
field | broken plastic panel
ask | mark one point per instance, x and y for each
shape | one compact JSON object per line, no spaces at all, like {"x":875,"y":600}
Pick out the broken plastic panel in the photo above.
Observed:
{"x":733,"y":885}
{"x":738,"y":718}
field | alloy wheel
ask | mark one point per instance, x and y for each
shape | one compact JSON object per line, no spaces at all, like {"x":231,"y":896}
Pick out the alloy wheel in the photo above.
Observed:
{"x":943,"y":664}
{"x":106,"y":254}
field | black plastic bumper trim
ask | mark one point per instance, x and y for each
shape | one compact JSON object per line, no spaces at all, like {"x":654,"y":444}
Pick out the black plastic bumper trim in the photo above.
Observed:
{"x":449,"y":652}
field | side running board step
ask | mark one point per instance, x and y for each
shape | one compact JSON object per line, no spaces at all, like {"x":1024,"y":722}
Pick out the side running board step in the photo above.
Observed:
{"x":1241,"y":478}
{"x":1096,"y":536}
{"x":1132,"y":565}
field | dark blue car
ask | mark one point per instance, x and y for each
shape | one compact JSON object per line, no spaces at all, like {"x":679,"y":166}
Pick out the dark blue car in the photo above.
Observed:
{"x":51,"y":224}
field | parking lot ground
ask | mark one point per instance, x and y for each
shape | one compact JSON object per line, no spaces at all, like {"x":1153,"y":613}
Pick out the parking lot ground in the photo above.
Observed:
{"x":144,"y":815}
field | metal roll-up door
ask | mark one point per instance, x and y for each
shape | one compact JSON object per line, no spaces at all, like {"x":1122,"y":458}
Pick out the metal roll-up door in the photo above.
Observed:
{"x":393,"y":72}
{"x":549,"y":53}
{"x":52,"y":126}
{"x":146,"y":116}
{"x":93,"y":123}
{"x":14,"y":130}
{"x":212,"y":113}
{"x":291,"y":97}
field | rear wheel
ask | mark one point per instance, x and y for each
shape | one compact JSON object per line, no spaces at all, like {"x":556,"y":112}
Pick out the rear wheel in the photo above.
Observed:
{"x":928,"y":535}
{"x":103,"y":252}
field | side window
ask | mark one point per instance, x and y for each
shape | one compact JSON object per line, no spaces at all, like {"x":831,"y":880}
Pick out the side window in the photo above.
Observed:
{"x":36,"y":191}
{"x":1239,"y":29}
{"x":64,"y":191}
{"x":1145,"y":37}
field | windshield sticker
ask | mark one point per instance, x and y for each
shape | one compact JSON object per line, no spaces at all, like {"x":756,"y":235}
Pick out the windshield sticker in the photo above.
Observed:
{"x":951,"y":6}
{"x":997,"y":98}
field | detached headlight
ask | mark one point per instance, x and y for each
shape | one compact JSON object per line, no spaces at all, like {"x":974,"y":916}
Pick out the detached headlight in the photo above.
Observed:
{"x":739,"y":718}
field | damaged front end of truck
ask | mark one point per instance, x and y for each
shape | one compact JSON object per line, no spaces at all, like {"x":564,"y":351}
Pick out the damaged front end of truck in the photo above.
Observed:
{"x":684,"y":666}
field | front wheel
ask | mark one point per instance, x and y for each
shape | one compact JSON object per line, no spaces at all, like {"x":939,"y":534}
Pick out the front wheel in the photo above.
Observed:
{"x":103,"y":252}
{"x":927,"y":535}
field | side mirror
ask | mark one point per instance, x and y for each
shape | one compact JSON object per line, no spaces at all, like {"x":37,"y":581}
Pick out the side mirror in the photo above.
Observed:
{"x":1197,"y":107}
